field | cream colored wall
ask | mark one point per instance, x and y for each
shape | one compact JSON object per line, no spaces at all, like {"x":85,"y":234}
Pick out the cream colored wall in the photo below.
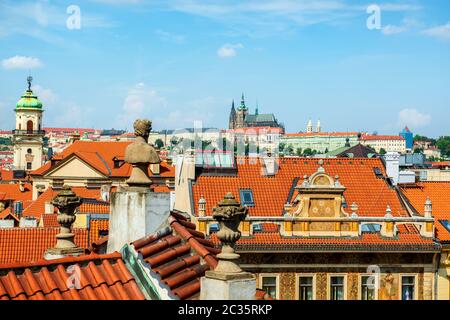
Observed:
{"x":443,"y":283}
{"x":20,"y":151}
{"x":388,"y":145}
{"x":76,"y":168}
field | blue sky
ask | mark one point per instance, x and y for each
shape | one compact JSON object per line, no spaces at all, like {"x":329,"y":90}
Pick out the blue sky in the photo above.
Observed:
{"x":177,"y":61}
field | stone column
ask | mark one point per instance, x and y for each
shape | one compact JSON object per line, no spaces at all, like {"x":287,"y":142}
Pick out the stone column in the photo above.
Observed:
{"x":66,"y":201}
{"x":136,"y":211}
{"x":228,"y":281}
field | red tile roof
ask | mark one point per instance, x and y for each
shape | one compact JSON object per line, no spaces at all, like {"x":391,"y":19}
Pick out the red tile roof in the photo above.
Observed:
{"x":372,"y":194}
{"x":439,"y":194}
{"x":97,"y":225}
{"x":381,"y":137}
{"x":326,"y":134}
{"x":80,"y":131}
{"x":37,"y":208}
{"x":6,"y":175}
{"x":176,"y":255}
{"x":29,"y":244}
{"x":101,"y":277}
{"x":12,"y":192}
{"x":100,"y":155}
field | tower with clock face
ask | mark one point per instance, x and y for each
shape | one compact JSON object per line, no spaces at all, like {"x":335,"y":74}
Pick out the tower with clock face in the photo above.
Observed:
{"x":28,"y":135}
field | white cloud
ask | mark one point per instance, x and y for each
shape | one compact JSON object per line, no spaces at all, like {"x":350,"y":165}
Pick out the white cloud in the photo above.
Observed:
{"x":229,"y":50}
{"x":391,"y":29}
{"x":141,"y":101}
{"x":441,"y":32}
{"x":47,"y":96}
{"x":21,"y":62}
{"x":413,"y":118}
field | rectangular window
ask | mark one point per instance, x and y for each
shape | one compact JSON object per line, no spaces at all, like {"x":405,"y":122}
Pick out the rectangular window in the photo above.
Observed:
{"x":337,"y":288}
{"x":28,"y":165}
{"x":305,"y":288}
{"x":408,"y":287}
{"x":367,"y":288}
{"x":269,"y":285}
{"x":246,"y":196}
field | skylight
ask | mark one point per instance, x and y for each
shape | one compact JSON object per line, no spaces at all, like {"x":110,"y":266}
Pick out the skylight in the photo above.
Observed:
{"x":446,"y":224}
{"x":246,"y":196}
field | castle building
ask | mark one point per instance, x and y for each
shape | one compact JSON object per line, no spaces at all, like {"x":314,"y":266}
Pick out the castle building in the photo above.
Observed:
{"x":28,"y":134}
{"x":241,"y":118}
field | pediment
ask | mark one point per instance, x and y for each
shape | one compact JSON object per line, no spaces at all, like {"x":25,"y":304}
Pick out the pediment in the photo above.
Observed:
{"x":76,"y":168}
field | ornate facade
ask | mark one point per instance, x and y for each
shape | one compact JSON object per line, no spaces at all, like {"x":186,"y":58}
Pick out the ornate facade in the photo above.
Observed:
{"x":343,"y":233}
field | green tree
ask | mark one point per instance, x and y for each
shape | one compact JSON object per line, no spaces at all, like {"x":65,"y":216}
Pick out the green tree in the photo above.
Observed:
{"x":418,"y":150}
{"x":382,"y":151}
{"x":443,"y":143}
{"x":159,"y":143}
{"x":299,"y":152}
{"x":308,"y":152}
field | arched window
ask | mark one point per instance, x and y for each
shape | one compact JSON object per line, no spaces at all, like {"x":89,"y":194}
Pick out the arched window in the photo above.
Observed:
{"x":29,"y":126}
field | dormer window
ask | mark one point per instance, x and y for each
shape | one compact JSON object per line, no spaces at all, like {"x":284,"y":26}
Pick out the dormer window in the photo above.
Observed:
{"x":246,"y":196}
{"x":118,"y":162}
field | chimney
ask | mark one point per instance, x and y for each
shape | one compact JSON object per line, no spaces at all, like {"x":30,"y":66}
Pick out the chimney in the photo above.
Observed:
{"x":269,"y":165}
{"x":388,"y":227}
{"x":202,"y":207}
{"x":428,"y":208}
{"x":136,"y":211}
{"x":21,"y":186}
{"x":67,"y":202}
{"x":228,"y":281}
{"x":184,"y":174}
{"x":49,"y":208}
{"x":75,"y":136}
{"x":393,"y":166}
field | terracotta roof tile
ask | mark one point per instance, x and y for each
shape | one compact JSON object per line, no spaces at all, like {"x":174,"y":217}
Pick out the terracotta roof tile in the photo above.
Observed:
{"x":178,"y":256}
{"x":102,"y":277}
{"x":372,"y":194}
{"x":439,"y":194}
{"x":29,"y":244}
{"x":100,"y":155}
{"x":13,"y":192}
{"x":37,"y":208}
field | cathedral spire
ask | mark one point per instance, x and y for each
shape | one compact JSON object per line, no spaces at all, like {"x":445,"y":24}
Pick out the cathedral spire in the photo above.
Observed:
{"x":243,"y":102}
{"x":256,"y":111}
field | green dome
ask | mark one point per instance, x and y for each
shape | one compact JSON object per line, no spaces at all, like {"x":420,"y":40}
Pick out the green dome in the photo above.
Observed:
{"x":29,"y":101}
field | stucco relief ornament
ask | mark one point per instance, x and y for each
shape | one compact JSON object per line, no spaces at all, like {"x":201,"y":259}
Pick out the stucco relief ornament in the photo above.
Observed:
{"x":140,"y":154}
{"x":229,"y":213}
{"x":67,"y":202}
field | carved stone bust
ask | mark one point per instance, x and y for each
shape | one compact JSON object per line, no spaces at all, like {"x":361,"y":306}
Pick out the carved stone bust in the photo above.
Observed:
{"x":140,"y":154}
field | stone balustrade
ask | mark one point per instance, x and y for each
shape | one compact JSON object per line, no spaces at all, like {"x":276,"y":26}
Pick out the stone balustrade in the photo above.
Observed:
{"x":338,"y":227}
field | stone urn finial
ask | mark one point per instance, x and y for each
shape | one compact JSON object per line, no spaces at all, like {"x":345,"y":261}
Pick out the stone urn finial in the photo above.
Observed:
{"x":67,"y":202}
{"x":140,"y":154}
{"x":229,"y":213}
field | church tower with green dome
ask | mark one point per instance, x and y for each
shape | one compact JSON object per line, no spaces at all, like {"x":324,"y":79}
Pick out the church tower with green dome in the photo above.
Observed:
{"x":28,"y":135}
